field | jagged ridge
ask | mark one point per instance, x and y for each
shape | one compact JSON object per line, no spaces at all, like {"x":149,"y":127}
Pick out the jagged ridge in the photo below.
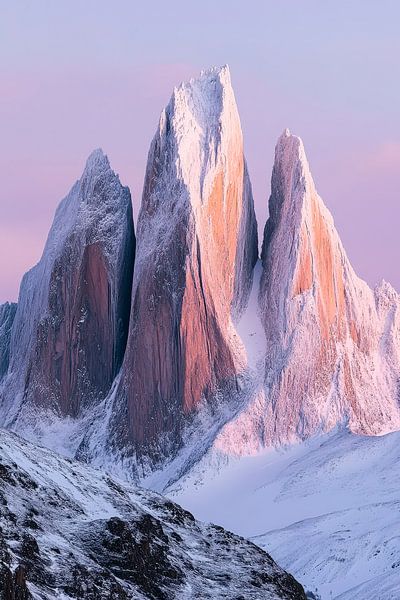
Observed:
{"x":69,"y":531}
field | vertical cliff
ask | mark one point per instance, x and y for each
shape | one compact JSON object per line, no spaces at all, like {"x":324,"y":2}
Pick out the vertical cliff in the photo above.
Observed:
{"x":71,"y":324}
{"x":196,"y":248}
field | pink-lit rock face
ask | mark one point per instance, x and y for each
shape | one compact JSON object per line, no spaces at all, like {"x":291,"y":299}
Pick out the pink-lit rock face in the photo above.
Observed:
{"x":196,"y":248}
{"x":70,"y":330}
{"x":333,"y":345}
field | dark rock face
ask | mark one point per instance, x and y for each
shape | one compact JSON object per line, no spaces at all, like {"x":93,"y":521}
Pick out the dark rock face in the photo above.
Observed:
{"x":197,"y":245}
{"x":138,"y":553}
{"x":13,"y":586}
{"x":71,"y":327}
{"x":7,"y":315}
{"x":97,"y":538}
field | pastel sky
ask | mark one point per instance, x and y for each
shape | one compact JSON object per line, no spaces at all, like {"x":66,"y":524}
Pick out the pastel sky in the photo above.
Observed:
{"x":76,"y":75}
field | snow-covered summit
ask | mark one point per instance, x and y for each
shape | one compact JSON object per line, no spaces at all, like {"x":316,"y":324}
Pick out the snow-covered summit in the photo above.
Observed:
{"x":201,"y":115}
{"x":97,"y":161}
{"x":207,"y":77}
{"x":292,"y":177}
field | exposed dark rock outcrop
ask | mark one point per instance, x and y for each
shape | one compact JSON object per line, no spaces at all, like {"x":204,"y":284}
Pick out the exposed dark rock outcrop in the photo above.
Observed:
{"x":97,"y":538}
{"x":7,"y":315}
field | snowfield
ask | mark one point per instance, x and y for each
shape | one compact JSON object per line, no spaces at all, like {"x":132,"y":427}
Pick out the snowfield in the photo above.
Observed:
{"x":328,"y":510}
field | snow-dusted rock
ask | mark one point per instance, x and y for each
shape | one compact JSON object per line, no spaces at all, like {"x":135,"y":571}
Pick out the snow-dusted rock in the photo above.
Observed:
{"x":7,"y":314}
{"x":68,"y":531}
{"x":196,"y":248}
{"x":332,"y":344}
{"x":70,"y":327}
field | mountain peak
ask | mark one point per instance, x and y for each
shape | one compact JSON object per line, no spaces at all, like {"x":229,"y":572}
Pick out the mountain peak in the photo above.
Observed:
{"x":70,"y":327}
{"x":97,"y":162}
{"x":197,"y":245}
{"x":210,"y":76}
{"x":292,"y":186}
{"x":202,"y":104}
{"x":313,"y":305}
{"x":221,"y":73}
{"x":290,"y":153}
{"x":286,"y":133}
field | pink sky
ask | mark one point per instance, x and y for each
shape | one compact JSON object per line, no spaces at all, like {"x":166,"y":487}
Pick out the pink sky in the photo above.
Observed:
{"x":75,"y":76}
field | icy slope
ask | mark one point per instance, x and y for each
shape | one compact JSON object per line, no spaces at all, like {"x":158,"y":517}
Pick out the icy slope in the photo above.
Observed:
{"x":70,"y":328}
{"x":68,"y":531}
{"x":328,"y":510}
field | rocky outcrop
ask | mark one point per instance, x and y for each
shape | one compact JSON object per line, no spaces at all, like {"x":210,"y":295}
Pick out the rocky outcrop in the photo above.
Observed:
{"x":7,"y":314}
{"x":69,"y":531}
{"x":70,"y":328}
{"x":332,"y":344}
{"x":196,"y":248}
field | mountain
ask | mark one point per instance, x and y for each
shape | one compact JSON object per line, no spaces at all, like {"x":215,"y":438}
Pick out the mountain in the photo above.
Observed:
{"x":221,"y":352}
{"x":166,"y":360}
{"x":332,"y":344}
{"x":69,"y":531}
{"x":326,"y":509}
{"x":329,"y":351}
{"x":7,"y":315}
{"x":69,"y":333}
{"x":196,"y":248}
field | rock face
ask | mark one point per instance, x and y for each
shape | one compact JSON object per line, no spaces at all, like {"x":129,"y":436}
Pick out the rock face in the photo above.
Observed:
{"x":70,"y":328}
{"x":68,"y":531}
{"x":7,"y":314}
{"x":333,"y":345}
{"x":196,"y":248}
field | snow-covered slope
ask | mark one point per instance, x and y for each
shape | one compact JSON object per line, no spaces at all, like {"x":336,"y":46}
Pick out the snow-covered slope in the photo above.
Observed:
{"x":327,"y":510}
{"x":68,"y":531}
{"x":196,"y":248}
{"x":70,"y":327}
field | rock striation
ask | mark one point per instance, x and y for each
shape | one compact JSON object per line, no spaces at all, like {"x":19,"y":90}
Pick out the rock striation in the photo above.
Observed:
{"x":70,"y":328}
{"x":196,"y":248}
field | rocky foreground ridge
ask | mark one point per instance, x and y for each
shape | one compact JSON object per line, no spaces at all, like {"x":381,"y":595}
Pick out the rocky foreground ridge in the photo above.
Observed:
{"x":69,"y":531}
